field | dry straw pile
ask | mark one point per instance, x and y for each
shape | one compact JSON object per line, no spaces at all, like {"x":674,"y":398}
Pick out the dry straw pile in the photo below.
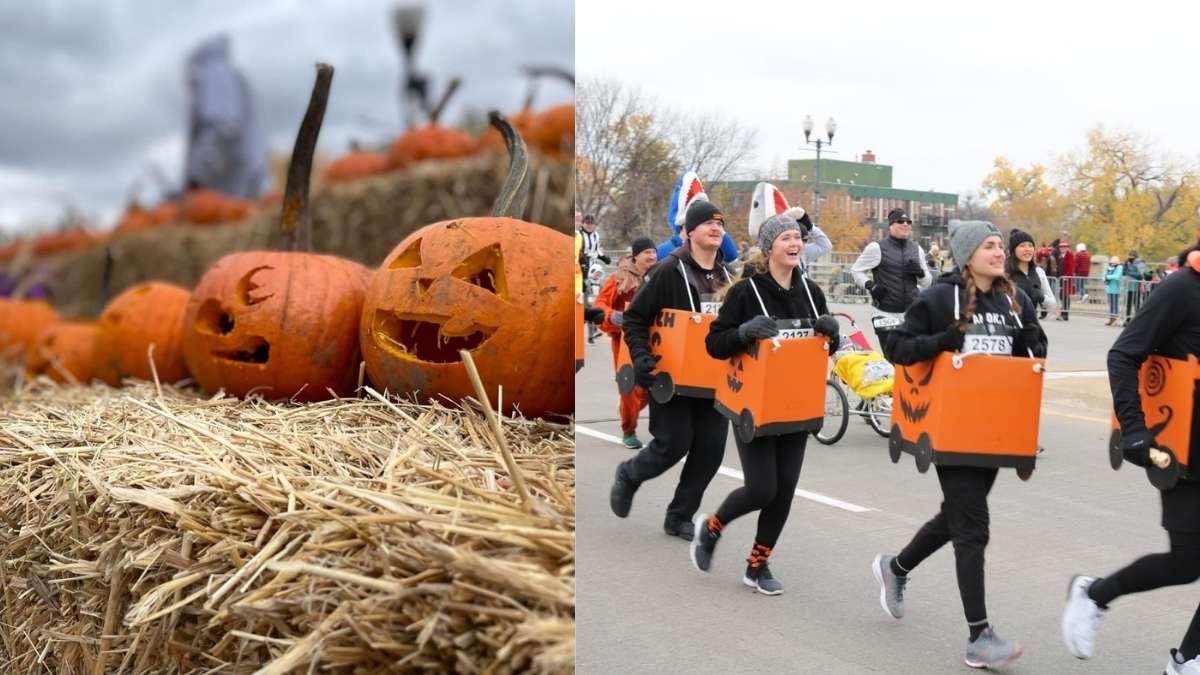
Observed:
{"x":150,"y":530}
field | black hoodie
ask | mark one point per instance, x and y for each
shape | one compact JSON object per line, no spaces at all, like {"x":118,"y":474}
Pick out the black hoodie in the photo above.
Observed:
{"x":664,"y":289}
{"x":917,"y":338}
{"x":741,"y":305}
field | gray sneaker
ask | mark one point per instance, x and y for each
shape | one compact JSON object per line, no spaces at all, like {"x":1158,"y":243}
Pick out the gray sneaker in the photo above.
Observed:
{"x":760,"y":579}
{"x":990,"y":650}
{"x":891,"y":587}
{"x":1081,"y":619}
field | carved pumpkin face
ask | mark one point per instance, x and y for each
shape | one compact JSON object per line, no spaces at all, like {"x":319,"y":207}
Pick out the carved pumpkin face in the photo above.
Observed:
{"x":280,"y":324}
{"x":913,"y":395}
{"x":21,"y":321}
{"x":356,"y":165}
{"x":145,"y":314}
{"x":495,"y":286}
{"x":430,"y":142}
{"x":64,"y":346}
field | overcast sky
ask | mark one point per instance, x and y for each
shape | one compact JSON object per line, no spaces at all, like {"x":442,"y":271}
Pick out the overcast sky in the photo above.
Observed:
{"x":93,"y":91}
{"x":936,"y":89}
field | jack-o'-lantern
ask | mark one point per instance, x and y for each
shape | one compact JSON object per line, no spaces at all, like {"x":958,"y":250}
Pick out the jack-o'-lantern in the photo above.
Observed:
{"x":494,"y":286}
{"x":143,"y":315}
{"x":65,"y":352}
{"x":356,"y":165}
{"x":21,"y":321}
{"x":283,"y":324}
{"x":914,"y":401}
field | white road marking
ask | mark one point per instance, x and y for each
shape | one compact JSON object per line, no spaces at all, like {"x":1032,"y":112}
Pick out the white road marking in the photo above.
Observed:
{"x":738,"y":475}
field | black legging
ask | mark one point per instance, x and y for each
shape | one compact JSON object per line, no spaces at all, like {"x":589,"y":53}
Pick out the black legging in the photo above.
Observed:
{"x":963,"y":519}
{"x":772,"y":468}
{"x":1180,"y":565}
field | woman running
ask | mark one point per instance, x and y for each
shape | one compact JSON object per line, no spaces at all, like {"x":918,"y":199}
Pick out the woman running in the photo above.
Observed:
{"x":967,"y":311}
{"x":774,"y":289}
{"x":1167,"y":325}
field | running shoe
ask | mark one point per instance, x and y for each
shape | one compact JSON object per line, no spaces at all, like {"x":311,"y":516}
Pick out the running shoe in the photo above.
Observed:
{"x":1081,"y":619}
{"x":891,"y":586}
{"x":991,"y":651}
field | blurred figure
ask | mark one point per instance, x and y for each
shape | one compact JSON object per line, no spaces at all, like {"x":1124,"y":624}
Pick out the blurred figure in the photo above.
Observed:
{"x":226,"y":149}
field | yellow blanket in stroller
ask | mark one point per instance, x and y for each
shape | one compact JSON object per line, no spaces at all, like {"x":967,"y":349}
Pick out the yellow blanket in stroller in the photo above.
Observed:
{"x":867,"y":373}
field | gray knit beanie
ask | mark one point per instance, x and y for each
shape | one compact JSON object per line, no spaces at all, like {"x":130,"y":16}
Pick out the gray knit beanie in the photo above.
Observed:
{"x":774,"y":226}
{"x":968,"y":235}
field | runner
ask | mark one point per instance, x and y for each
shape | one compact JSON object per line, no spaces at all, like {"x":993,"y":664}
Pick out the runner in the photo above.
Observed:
{"x":963,"y":311}
{"x":1168,"y":325}
{"x":774,"y":288}
{"x":1025,"y":274}
{"x":683,"y":426}
{"x":612,"y":300}
{"x":897,"y":268}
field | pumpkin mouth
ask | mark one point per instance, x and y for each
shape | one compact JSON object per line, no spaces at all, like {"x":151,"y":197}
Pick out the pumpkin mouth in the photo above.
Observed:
{"x":254,"y":351}
{"x":420,"y":337}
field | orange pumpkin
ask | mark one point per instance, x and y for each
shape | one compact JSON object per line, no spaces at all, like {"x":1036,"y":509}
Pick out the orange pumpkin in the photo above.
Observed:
{"x":142,"y":315}
{"x":356,"y":165}
{"x":553,"y":131}
{"x":282,"y":324}
{"x":495,"y":286}
{"x":60,"y":242}
{"x":206,"y":207}
{"x":135,"y":219}
{"x":22,"y":320}
{"x":164,"y":213}
{"x":64,"y":347}
{"x":522,"y":122}
{"x":430,"y":142}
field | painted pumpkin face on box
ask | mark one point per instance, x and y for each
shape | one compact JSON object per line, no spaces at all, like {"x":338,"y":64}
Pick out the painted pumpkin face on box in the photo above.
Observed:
{"x":915,"y":399}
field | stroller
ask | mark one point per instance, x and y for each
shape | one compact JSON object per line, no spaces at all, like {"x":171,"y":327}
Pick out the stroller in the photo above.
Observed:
{"x":861,"y":384}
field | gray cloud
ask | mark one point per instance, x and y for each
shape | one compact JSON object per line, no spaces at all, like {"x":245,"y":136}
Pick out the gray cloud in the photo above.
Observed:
{"x":95,"y":90}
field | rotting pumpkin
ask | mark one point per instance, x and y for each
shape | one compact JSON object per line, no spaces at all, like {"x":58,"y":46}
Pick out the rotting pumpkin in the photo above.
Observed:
{"x":282,"y":324}
{"x":146,"y":314}
{"x":495,"y":286}
{"x":65,"y":352}
{"x":20,"y":323}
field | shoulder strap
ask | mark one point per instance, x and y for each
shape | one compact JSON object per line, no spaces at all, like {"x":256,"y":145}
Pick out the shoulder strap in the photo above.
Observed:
{"x":687,"y":286}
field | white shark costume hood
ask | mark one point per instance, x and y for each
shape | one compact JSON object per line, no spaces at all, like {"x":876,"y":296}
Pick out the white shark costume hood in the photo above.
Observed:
{"x":769,"y":201}
{"x":687,"y":190}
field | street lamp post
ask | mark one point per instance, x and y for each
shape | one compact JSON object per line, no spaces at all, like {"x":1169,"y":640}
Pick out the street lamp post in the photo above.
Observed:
{"x":408,"y":16}
{"x":830,"y":128}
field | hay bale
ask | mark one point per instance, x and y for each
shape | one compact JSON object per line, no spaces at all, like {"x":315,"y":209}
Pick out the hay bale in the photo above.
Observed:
{"x":361,"y":220}
{"x":152,"y":530}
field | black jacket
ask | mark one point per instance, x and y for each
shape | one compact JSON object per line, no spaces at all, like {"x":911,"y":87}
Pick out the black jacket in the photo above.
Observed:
{"x":1167,"y":324}
{"x":917,"y":338}
{"x":741,"y":305}
{"x":664,"y":288}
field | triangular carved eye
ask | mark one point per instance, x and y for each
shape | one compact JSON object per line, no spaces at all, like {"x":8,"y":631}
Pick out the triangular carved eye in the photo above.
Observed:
{"x":411,"y":257}
{"x":485,"y":269}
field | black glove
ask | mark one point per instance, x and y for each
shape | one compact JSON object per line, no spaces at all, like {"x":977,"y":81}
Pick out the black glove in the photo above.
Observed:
{"x":617,"y":318}
{"x":952,"y":339}
{"x":593,"y":315}
{"x":828,"y":326}
{"x":912,"y":268}
{"x":877,"y":292}
{"x":760,"y":327}
{"x":1136,"y":448}
{"x":806,"y":223}
{"x":643,"y":370}
{"x":604,"y":259}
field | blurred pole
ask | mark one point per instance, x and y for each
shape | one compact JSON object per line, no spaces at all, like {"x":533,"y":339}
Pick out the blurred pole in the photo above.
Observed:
{"x":408,"y":17}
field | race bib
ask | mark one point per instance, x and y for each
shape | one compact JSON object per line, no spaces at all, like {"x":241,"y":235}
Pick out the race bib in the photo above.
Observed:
{"x":885,"y":322}
{"x":988,"y":344}
{"x":709,"y":304}
{"x":791,"y":329}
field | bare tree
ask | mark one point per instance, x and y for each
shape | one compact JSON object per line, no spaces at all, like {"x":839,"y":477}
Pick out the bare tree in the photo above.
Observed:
{"x":715,"y":147}
{"x":974,"y":206}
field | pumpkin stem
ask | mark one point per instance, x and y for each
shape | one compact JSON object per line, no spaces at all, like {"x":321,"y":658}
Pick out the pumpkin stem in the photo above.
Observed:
{"x":436,"y":112}
{"x":295,"y":224}
{"x":106,"y":279}
{"x":511,"y":201}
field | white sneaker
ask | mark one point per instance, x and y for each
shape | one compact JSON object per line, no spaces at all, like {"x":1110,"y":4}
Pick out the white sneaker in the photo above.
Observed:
{"x":1081,"y":619}
{"x":1177,"y":666}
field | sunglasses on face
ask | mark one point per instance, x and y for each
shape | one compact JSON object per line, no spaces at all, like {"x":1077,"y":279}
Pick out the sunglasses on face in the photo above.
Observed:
{"x":904,"y":221}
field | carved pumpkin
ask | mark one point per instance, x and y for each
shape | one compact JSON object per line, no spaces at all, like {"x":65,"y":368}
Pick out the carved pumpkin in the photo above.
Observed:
{"x":356,"y":165}
{"x":495,"y":286}
{"x":64,"y":347}
{"x":145,"y":314}
{"x":553,"y":131}
{"x":21,"y":321}
{"x":206,"y":207}
{"x":282,"y":324}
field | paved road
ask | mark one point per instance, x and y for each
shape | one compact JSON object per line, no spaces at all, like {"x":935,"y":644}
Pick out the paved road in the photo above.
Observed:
{"x":643,"y":608}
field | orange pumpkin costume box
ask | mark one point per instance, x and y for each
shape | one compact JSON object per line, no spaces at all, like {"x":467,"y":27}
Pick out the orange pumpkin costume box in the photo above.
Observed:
{"x":684,"y":366}
{"x":968,"y":410}
{"x":1167,"y":388}
{"x":775,"y":387}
